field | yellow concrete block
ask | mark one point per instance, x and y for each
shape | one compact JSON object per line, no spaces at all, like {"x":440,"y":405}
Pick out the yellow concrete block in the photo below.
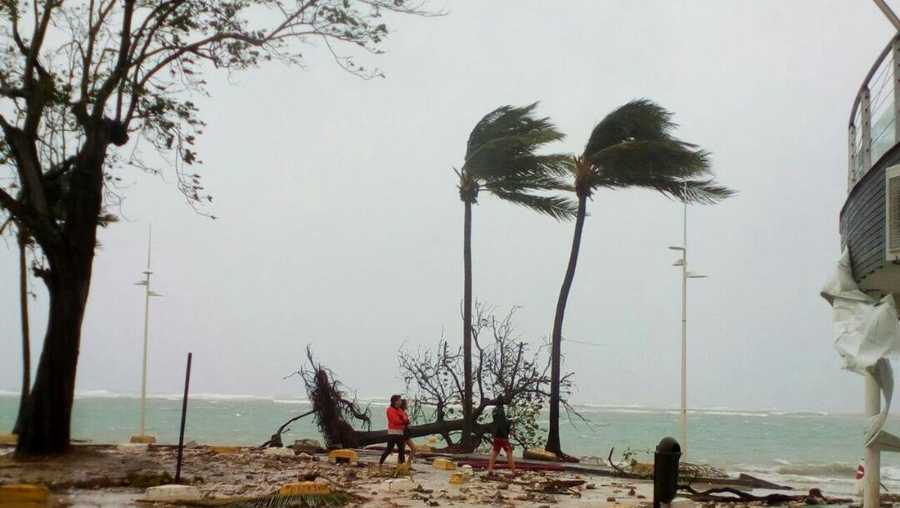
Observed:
{"x":304,"y":489}
{"x":8,"y":439}
{"x":445,"y":464}
{"x":23,"y":495}
{"x":540,"y":454}
{"x":225,"y":450}
{"x":458,"y":478}
{"x":142,"y":440}
{"x":343,"y":456}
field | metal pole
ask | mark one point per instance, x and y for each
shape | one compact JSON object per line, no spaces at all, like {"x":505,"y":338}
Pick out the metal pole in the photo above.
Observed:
{"x":888,"y":13}
{"x":184,"y":401}
{"x":684,"y":277}
{"x":146,"y":330}
{"x":872,"y":479}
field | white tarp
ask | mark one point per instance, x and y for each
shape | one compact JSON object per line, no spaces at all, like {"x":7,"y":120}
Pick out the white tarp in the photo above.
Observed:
{"x":866,"y":333}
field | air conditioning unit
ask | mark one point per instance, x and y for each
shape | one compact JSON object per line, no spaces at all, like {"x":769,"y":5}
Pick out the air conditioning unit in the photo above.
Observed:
{"x":892,"y":213}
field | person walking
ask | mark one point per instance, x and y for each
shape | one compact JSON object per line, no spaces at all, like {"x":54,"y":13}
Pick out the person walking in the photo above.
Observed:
{"x":407,"y":439}
{"x":397,"y":422}
{"x":501,"y":427}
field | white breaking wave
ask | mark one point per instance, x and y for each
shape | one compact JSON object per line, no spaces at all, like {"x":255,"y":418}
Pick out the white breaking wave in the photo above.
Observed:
{"x":290,"y":401}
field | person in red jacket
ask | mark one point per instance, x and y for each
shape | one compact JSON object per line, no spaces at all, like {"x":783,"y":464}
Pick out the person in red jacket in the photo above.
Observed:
{"x":397,"y":422}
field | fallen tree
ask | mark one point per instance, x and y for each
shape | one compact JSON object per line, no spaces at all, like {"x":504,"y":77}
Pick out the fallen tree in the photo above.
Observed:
{"x":506,"y":371}
{"x":335,"y":413}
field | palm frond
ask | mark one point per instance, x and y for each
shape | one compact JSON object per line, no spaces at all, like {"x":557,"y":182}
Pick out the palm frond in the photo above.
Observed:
{"x":557,"y":207}
{"x":528,"y":182}
{"x":692,"y":191}
{"x":634,"y":147}
{"x":618,"y":164}
{"x":505,"y":141}
{"x":638,"y":120}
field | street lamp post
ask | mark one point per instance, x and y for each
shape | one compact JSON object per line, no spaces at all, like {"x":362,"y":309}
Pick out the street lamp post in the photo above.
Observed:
{"x":148,"y":293}
{"x":685,"y":275}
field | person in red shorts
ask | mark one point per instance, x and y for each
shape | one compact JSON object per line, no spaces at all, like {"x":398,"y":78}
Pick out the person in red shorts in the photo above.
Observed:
{"x":501,"y":439}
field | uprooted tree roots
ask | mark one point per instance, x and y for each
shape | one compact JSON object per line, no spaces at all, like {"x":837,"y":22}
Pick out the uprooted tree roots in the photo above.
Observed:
{"x":333,"y":411}
{"x":336,"y":413}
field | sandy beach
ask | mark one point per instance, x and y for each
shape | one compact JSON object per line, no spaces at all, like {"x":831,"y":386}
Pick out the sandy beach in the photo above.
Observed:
{"x":110,"y":475}
{"x":115,"y":476}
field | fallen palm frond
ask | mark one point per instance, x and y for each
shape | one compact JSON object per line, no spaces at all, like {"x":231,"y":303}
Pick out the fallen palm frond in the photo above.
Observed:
{"x":296,"y":501}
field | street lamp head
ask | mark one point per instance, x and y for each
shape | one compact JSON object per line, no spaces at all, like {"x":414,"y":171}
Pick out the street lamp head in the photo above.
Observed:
{"x":696,"y":276}
{"x":673,"y":247}
{"x":680,"y":262}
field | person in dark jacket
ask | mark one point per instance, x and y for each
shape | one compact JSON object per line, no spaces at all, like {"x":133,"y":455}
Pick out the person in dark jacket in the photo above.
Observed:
{"x":501,"y":428}
{"x":407,"y":439}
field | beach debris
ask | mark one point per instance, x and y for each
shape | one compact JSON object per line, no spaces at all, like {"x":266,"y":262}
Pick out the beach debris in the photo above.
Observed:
{"x":172,"y":493}
{"x":458,"y":478}
{"x":133,"y":447}
{"x":225,"y":450}
{"x":142,"y":439}
{"x":308,"y":446}
{"x":557,"y":486}
{"x":305,"y":488}
{"x":814,"y":497}
{"x":443,"y":463}
{"x":539,"y":454}
{"x":23,"y":495}
{"x":279,"y":452}
{"x":400,"y":485}
{"x":275,"y":440}
{"x":610,"y":499}
{"x":343,"y":456}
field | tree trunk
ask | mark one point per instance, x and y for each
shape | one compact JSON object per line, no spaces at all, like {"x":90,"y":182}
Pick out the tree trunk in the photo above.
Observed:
{"x":26,"y":340}
{"x":428,"y":429}
{"x":553,"y":444}
{"x":466,"y":439}
{"x":46,"y":424}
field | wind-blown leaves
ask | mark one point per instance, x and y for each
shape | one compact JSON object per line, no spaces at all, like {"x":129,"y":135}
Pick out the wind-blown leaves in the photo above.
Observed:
{"x":558,"y":207}
{"x":501,"y":158}
{"x":634,"y":147}
{"x":637,"y":120}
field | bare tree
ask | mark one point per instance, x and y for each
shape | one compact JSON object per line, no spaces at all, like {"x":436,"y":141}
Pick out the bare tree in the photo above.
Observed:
{"x":505,"y":369}
{"x":91,"y":87}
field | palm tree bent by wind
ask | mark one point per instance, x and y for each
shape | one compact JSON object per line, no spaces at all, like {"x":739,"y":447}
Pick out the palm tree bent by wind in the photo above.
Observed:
{"x":501,"y":159}
{"x":631,"y":147}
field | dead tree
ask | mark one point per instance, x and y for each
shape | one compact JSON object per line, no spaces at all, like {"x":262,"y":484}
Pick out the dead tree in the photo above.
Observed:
{"x":506,"y":370}
{"x":341,"y":420}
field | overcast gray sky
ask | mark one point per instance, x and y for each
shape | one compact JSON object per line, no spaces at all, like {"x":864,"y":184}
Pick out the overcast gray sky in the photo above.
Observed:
{"x":340,"y":225}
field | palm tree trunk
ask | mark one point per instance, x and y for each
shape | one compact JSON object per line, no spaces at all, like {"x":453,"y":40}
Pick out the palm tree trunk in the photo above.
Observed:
{"x":26,"y":341}
{"x":466,"y":440}
{"x":553,"y":444}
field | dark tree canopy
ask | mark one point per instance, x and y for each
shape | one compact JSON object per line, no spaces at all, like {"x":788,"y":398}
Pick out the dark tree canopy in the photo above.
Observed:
{"x":78,"y":76}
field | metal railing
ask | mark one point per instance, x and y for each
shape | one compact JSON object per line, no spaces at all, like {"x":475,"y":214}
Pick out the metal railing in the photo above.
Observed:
{"x":874,"y":128}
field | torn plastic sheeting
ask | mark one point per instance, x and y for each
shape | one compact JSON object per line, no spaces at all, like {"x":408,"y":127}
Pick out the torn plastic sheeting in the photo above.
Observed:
{"x":865,"y":332}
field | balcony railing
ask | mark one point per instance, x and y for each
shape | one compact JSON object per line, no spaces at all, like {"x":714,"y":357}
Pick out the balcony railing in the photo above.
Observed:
{"x":874,"y":128}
